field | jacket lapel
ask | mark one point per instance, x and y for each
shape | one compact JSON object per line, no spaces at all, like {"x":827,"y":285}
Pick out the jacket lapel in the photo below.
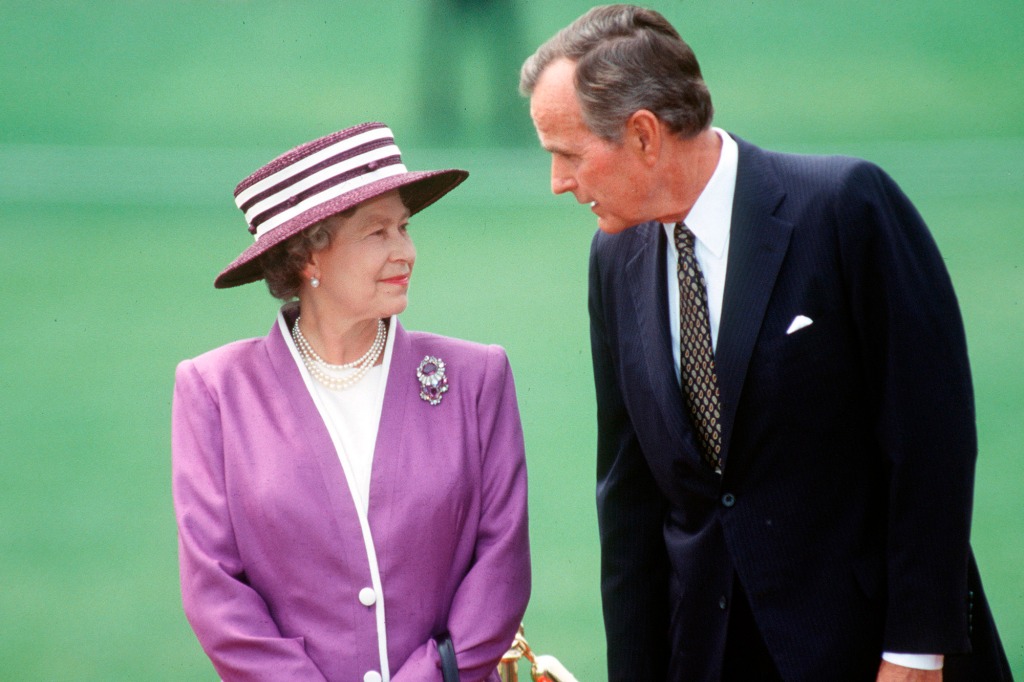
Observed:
{"x":757,"y":246}
{"x":311,"y":431}
{"x":646,"y":276}
{"x":401,"y":387}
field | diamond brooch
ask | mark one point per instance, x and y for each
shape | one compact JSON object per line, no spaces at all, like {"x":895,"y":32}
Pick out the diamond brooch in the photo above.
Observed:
{"x":433,"y":382}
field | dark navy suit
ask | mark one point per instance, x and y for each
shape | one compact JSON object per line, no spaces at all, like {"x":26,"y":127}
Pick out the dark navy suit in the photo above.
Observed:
{"x":849,"y":445}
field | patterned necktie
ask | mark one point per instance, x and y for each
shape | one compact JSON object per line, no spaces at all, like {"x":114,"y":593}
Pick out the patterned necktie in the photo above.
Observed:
{"x":697,"y":358}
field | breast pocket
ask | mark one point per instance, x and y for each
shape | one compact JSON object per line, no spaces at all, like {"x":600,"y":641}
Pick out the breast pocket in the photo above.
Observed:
{"x":806,"y":370}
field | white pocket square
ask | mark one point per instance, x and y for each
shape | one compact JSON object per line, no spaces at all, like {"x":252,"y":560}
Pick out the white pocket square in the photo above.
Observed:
{"x":798,"y":323}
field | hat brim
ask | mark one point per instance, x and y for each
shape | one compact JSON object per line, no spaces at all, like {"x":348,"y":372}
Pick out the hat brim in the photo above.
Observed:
{"x":419,"y":189}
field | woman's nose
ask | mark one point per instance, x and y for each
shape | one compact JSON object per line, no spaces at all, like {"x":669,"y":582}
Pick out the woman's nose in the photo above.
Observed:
{"x":405,"y":250}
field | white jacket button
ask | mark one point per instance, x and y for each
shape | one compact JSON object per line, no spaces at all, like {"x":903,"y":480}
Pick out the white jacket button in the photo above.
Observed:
{"x":367,"y":597}
{"x":372,"y":676}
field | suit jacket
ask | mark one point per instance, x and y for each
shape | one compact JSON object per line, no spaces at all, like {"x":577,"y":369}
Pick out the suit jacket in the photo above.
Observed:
{"x":849,"y":445}
{"x":275,"y":558}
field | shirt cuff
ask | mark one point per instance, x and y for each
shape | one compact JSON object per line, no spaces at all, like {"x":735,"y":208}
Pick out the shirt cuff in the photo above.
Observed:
{"x":918,"y":661}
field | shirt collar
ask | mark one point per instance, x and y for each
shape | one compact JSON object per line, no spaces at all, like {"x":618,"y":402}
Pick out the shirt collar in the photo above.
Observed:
{"x":711,"y":215}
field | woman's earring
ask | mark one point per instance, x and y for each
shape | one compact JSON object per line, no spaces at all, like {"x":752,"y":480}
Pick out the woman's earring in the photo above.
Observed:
{"x":314,"y":282}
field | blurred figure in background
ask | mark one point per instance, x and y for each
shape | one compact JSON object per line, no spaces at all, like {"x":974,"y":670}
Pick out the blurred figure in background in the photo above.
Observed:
{"x":471,"y":48}
{"x":786,"y":429}
{"x":347,"y":492}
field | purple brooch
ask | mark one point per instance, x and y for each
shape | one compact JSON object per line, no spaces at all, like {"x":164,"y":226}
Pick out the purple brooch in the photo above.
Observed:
{"x":433,"y":382}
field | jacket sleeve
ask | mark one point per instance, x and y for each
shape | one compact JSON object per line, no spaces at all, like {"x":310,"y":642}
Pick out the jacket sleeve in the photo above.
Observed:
{"x":230,"y":618}
{"x":630,"y":513}
{"x":490,"y":601}
{"x":916,"y":356}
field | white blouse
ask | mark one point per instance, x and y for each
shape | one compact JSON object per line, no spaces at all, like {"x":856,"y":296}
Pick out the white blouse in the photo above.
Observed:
{"x":352,"y":417}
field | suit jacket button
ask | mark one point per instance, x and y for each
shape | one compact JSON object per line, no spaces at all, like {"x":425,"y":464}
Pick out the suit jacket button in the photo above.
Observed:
{"x":728,"y":499}
{"x":723,"y":603}
{"x":367,"y":597}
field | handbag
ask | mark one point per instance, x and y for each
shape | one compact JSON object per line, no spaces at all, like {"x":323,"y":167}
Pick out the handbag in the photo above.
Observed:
{"x":449,"y":666}
{"x":542,"y":668}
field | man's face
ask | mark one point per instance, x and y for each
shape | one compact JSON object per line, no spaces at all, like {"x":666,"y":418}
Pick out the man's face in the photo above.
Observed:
{"x":606,"y":175}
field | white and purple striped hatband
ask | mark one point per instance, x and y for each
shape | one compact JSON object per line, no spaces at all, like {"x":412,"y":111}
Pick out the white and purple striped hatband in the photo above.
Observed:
{"x":322,"y":178}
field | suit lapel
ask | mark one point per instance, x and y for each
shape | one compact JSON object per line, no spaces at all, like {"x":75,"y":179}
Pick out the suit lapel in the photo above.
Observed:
{"x":757,"y":246}
{"x":647,"y":279}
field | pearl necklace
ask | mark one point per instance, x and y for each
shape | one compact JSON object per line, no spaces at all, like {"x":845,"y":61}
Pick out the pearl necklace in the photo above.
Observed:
{"x":339,"y":377}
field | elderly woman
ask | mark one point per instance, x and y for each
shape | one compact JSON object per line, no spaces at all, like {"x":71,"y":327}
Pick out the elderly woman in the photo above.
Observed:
{"x":347,"y":492}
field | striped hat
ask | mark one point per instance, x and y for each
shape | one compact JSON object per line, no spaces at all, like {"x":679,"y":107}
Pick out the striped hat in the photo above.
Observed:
{"x":322,"y":178}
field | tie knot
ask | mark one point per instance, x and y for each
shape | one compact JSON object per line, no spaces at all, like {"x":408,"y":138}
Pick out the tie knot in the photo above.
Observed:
{"x":684,"y":237}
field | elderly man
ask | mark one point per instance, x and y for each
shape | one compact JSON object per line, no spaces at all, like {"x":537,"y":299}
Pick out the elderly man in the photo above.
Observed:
{"x":786,"y":430}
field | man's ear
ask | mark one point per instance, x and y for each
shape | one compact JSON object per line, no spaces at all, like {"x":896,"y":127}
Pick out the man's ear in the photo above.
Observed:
{"x":644,"y":134}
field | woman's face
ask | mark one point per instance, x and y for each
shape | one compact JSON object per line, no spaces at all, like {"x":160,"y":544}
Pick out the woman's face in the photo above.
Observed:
{"x":364,"y":273}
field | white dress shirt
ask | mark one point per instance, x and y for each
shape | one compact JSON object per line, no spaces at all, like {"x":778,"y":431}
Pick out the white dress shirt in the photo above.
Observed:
{"x":710,"y":220}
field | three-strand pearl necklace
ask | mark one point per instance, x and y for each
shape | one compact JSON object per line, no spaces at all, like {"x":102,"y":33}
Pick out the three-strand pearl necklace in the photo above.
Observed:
{"x":339,"y":377}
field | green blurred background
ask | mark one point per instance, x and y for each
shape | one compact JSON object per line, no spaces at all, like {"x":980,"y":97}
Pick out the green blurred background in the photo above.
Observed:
{"x":124,"y":127}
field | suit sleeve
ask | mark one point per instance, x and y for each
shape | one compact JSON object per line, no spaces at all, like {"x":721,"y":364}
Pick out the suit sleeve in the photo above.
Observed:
{"x":490,"y":601}
{"x":230,"y":618}
{"x":630,"y":513}
{"x":916,"y":355}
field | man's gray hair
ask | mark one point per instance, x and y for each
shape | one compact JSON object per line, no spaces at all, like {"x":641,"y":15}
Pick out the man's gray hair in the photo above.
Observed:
{"x":627,"y":58}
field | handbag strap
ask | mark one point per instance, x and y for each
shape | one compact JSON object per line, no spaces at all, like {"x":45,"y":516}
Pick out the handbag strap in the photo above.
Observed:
{"x":449,"y":667}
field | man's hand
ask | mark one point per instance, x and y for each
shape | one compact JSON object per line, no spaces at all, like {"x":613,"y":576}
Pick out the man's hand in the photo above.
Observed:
{"x":890,"y":672}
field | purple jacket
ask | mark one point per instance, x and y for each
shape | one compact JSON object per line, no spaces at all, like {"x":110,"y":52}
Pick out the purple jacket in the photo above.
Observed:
{"x":281,"y":575}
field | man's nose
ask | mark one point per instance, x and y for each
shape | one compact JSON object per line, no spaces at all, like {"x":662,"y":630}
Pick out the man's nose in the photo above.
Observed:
{"x":561,"y":180}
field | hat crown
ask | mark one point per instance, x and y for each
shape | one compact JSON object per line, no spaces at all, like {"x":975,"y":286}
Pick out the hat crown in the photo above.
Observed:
{"x":317,"y":172}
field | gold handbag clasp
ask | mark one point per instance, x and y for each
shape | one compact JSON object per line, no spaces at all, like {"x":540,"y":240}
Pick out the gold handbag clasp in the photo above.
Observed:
{"x":542,"y":668}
